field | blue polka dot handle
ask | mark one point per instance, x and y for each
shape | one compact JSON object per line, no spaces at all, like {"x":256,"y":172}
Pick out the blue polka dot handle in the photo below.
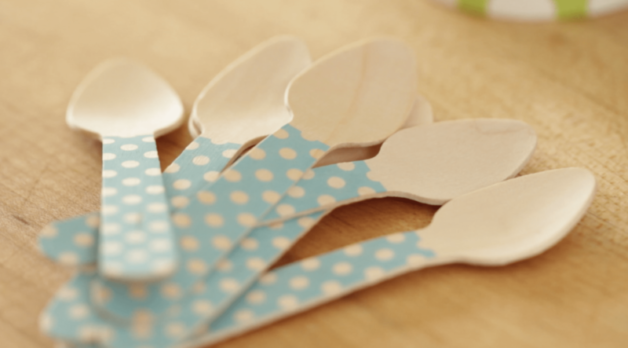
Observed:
{"x":72,"y":242}
{"x":278,"y":293}
{"x":215,"y":220}
{"x":136,"y":239}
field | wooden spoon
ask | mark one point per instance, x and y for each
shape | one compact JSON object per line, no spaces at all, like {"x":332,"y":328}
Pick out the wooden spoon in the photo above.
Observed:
{"x":497,"y":225}
{"x":126,"y":105}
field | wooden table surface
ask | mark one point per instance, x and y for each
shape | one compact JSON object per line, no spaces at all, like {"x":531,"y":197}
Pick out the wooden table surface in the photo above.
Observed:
{"x":568,"y":80}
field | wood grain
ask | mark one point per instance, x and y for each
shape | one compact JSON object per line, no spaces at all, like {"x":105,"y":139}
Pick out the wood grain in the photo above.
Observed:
{"x":568,"y":80}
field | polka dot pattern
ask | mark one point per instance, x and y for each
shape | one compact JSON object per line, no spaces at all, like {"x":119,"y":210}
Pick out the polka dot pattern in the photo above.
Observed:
{"x":131,"y":191}
{"x":239,"y":195}
{"x":328,"y":185}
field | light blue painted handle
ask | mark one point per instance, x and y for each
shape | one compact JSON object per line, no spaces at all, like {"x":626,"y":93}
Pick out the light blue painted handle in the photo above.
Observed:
{"x":136,"y":239}
{"x":216,"y":219}
{"x":324,"y":186}
{"x":73,"y":241}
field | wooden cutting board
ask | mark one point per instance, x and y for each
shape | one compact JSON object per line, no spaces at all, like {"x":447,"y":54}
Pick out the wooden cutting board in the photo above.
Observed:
{"x":568,"y":80}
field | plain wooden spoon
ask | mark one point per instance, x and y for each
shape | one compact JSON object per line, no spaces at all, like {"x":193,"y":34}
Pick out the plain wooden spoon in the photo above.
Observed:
{"x":127,"y":105}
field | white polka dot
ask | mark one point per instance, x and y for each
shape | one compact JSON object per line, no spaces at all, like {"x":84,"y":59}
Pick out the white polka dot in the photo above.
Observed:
{"x":84,"y":239}
{"x":232,"y":175}
{"x":342,"y":268}
{"x":196,"y":266}
{"x":264,"y":175}
{"x":317,"y":153}
{"x":108,"y":156}
{"x":130,"y":164}
{"x":137,"y":256}
{"x":365,"y":191}
{"x":285,"y":210}
{"x":256,"y":264}
{"x":396,"y":238}
{"x":271,"y":197}
{"x":325,"y":200}
{"x":239,"y":197}
{"x":415,"y":260}
{"x":202,"y":307}
{"x":79,"y":311}
{"x":188,"y":243}
{"x":159,"y":226}
{"x":131,"y":182}
{"x":155,"y":189}
{"x":256,"y":297}
{"x":109,"y":173}
{"x":108,"y":209}
{"x":310,"y":264}
{"x":131,"y":199}
{"x":336,"y":182}
{"x":214,"y":220}
{"x":179,"y":201}
{"x":135,"y":237}
{"x":152,"y":171}
{"x":200,"y":160}
{"x":192,"y":146}
{"x":111,"y":248}
{"x":243,"y":316}
{"x":132,"y":218}
{"x":108,"y":141}
{"x":151,"y":154}
{"x":175,"y":330}
{"x":229,"y":153}
{"x":309,"y":174}
{"x":110,"y":229}
{"x":93,"y":221}
{"x":182,"y":184}
{"x":296,"y":192}
{"x":229,"y":285}
{"x":211,"y":176}
{"x":331,"y":287}
{"x":353,"y":250}
{"x":206,"y":197}
{"x":299,"y":283}
{"x":49,"y":231}
{"x":281,"y":134}
{"x":67,"y":293}
{"x":288,"y":302}
{"x":224,"y":265}
{"x":374,"y":273}
{"x":257,"y":153}
{"x":287,"y":153}
{"x":161,"y":244}
{"x":347,"y":166}
{"x":268,"y":278}
{"x":181,"y":220}
{"x":221,"y":243}
{"x":109,"y":191}
{"x":157,"y":207}
{"x":384,"y":254}
{"x":68,"y":258}
{"x":173,"y":168}
{"x":306,"y":222}
{"x":247,"y":220}
{"x":249,"y":243}
{"x":294,"y":174}
{"x":128,"y":147}
{"x":148,"y":139}
{"x":276,"y":225}
{"x":281,"y":243}
{"x":171,"y":291}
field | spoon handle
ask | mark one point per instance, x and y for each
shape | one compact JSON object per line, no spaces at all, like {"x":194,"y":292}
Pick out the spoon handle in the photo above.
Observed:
{"x":298,"y":286}
{"x":326,"y":188}
{"x":73,"y":242}
{"x":137,"y":243}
